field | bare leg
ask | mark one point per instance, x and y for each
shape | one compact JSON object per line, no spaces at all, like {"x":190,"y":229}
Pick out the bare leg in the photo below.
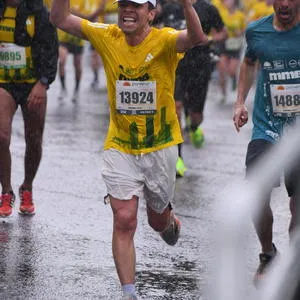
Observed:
{"x":179,"y":106}
{"x":34,"y":127}
{"x":95,"y":64}
{"x":124,"y":227}
{"x":264,"y":227}
{"x":7,"y":110}
{"x":293,"y":211}
{"x":159,"y":222}
{"x":78,"y":69}
{"x":196,"y":118}
{"x":233,"y":67}
{"x":222,"y":68}
{"x":63,"y":54}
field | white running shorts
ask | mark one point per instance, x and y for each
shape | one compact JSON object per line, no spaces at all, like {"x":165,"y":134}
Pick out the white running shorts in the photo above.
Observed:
{"x":150,"y":176}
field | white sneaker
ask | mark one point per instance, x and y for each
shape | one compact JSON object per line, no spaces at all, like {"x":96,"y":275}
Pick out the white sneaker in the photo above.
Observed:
{"x":62,"y":94}
{"x":95,"y":86}
{"x":75,"y":96}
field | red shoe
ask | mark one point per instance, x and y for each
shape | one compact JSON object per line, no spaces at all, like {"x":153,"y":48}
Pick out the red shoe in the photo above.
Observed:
{"x":26,"y":202}
{"x":6,"y":204}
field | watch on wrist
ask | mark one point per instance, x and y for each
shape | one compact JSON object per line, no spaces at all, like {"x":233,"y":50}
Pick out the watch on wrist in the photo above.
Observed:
{"x":44,"y":81}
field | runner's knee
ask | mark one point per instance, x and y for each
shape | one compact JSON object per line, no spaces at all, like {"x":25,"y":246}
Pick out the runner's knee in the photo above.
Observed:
{"x":125,"y":220}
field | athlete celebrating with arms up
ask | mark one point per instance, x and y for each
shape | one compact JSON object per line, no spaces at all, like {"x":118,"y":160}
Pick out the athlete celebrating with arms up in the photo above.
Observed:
{"x":140,"y":149}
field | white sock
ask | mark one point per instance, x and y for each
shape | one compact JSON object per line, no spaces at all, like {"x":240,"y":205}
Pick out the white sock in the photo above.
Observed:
{"x":129,"y":289}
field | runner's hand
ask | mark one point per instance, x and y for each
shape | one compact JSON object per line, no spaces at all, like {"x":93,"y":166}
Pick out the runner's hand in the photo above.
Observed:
{"x":240,"y":117}
{"x":37,"y":96}
{"x":187,"y":2}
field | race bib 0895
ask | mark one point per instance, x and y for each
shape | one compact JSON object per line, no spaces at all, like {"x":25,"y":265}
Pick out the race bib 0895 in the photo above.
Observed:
{"x":12,"y":56}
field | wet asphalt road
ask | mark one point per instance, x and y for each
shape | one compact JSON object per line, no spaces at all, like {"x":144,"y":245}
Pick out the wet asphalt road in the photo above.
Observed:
{"x":64,"y":251}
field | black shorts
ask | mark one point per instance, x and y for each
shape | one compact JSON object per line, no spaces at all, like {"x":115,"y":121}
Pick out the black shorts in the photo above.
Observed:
{"x":257,"y":149}
{"x":191,"y":85}
{"x":19,"y":91}
{"x":232,"y":53}
{"x":229,"y":53}
{"x":73,"y":49}
{"x":219,"y":47}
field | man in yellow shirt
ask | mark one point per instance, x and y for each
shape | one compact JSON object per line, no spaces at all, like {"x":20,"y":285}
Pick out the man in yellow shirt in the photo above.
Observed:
{"x":141,"y":145}
{"x":247,"y":5}
{"x":235,"y":22}
{"x":110,"y":12}
{"x":93,"y":8}
{"x":70,"y":44}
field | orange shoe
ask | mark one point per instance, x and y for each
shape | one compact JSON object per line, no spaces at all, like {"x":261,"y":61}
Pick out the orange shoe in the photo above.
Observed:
{"x":7,"y":201}
{"x":26,"y":202}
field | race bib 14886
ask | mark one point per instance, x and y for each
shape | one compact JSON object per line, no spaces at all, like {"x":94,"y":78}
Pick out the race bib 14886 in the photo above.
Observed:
{"x":285,"y":99}
{"x":12,"y":56}
{"x":136,"y":97}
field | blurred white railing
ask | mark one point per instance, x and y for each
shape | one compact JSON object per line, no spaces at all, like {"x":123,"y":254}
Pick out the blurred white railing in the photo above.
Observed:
{"x":242,"y":198}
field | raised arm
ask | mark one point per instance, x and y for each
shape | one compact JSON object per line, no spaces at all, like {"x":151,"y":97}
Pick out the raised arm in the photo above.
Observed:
{"x":193,"y":35}
{"x":98,"y":11}
{"x":61,"y":17}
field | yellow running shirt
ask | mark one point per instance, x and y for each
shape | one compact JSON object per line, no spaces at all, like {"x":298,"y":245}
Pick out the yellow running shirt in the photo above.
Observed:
{"x":235,"y":23}
{"x":15,"y":61}
{"x":111,"y":12}
{"x":247,"y":5}
{"x":140,"y":82}
{"x":91,"y":6}
{"x":218,"y":4}
{"x":260,"y":10}
{"x":48,"y":3}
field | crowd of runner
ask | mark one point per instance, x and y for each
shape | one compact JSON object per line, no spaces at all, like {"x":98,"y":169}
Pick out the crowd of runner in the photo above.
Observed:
{"x":206,"y":37}
{"x":224,"y":21}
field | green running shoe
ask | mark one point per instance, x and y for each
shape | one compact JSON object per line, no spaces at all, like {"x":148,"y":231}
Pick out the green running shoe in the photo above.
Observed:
{"x":180,"y":167}
{"x":197,"y":137}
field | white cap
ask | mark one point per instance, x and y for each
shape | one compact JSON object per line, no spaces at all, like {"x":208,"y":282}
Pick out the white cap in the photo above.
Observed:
{"x":153,"y":2}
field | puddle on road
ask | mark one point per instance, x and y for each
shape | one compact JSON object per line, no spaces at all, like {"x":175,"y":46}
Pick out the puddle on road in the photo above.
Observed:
{"x":178,"y":281}
{"x":162,"y":285}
